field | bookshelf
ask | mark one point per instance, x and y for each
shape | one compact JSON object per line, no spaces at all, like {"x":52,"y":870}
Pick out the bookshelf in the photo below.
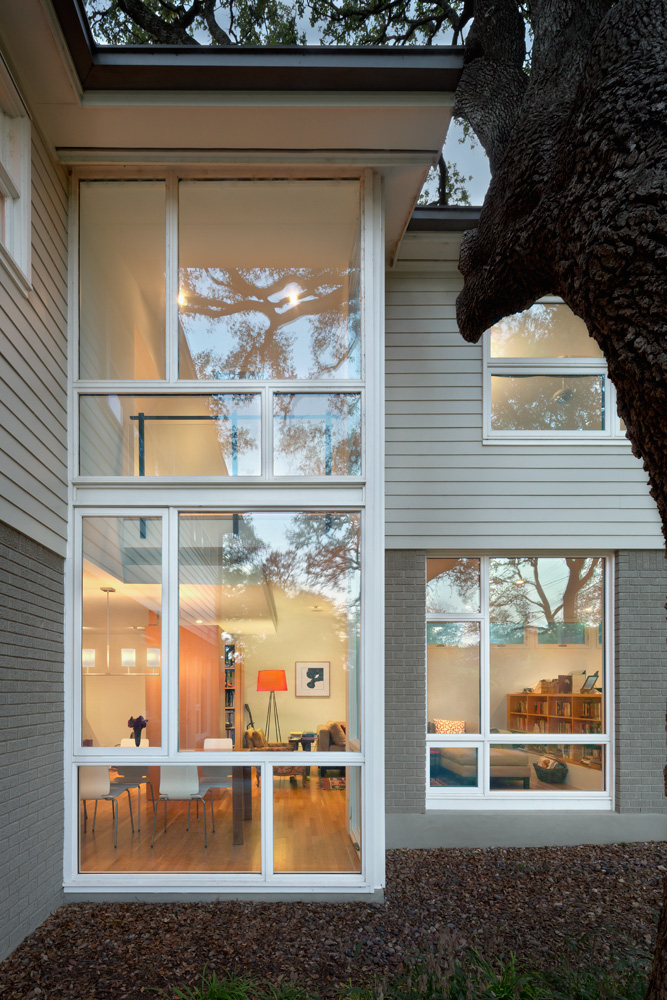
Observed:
{"x":557,"y":714}
{"x":232,"y":694}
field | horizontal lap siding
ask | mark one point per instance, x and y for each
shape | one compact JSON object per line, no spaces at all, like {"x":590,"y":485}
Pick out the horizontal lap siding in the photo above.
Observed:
{"x":33,"y":370}
{"x":444,"y":489}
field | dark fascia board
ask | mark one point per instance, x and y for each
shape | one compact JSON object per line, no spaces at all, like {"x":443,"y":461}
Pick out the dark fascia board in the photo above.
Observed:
{"x":275,"y":68}
{"x":444,"y":218}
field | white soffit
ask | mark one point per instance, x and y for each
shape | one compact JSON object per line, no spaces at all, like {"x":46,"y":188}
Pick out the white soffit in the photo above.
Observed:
{"x":399,"y":134}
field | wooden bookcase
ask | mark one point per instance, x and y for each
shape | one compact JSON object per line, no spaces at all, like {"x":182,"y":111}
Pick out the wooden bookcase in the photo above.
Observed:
{"x":558,"y":714}
{"x":232,"y":694}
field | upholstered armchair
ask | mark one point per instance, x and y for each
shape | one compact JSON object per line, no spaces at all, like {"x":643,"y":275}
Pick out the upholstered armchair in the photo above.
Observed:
{"x":254,"y":739}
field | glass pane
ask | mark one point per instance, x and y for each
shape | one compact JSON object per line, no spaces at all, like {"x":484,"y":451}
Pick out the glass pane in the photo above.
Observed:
{"x":453,"y":767}
{"x":121,"y":636}
{"x":547,"y":403}
{"x":547,"y":652}
{"x":122,"y":279}
{"x":316,"y":820}
{"x":275,"y":597}
{"x":207,"y":819}
{"x":316,"y":434}
{"x":547,"y":768}
{"x":452,"y":677}
{"x":543,"y":331}
{"x":261,"y":293}
{"x":452,"y":586}
{"x":171,"y":435}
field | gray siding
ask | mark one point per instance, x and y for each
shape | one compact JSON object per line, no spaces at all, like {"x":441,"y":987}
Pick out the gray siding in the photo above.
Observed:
{"x":444,"y":488}
{"x":31,"y":748}
{"x":33,"y":370}
{"x":405,"y":665}
{"x":641,"y":681}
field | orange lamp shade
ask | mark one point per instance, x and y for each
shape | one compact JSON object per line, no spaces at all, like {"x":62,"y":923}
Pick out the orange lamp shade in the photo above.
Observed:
{"x":271,"y":680}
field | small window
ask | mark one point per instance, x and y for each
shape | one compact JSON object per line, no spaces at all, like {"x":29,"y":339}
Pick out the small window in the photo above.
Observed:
{"x":546,"y":377}
{"x":14,"y":181}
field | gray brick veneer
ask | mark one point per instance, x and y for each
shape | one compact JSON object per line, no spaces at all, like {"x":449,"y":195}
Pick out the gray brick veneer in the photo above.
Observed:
{"x":641,"y":680}
{"x":31,"y":745}
{"x":405,"y":682}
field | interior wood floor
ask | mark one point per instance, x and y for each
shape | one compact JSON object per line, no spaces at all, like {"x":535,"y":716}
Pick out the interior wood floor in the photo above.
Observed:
{"x":310,"y":834}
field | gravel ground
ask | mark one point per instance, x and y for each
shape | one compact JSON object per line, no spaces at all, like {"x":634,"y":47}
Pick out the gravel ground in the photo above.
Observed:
{"x":529,"y":900}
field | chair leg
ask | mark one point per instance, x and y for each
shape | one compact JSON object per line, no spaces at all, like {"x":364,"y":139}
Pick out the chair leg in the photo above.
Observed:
{"x":139,"y":808}
{"x":94,"y":815}
{"x":155,"y":821}
{"x":150,"y":785}
{"x":212,"y":816}
{"x":165,"y":815}
{"x":115,"y":812}
{"x":129,"y":800}
{"x":187,"y":825}
{"x":205,"y":836}
{"x":85,"y":816}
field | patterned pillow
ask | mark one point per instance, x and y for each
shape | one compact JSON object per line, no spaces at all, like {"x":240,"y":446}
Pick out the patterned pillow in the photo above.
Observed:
{"x":443,"y":726}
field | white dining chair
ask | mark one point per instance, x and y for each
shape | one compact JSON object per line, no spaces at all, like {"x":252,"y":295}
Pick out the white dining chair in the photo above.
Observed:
{"x":95,"y":783}
{"x":133,"y":776}
{"x":180,"y":782}
{"x":215,"y":776}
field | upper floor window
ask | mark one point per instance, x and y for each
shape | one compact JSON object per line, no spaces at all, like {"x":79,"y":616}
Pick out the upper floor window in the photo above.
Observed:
{"x":546,"y":377}
{"x":14,"y":181}
{"x":220,"y":280}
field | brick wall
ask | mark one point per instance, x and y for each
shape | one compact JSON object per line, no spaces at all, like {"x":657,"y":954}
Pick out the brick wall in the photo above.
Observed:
{"x":405,"y":686}
{"x":31,"y":721}
{"x":641,"y":680}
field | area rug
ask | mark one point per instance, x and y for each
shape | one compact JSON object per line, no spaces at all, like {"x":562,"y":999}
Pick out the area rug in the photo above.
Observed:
{"x":328,"y":783}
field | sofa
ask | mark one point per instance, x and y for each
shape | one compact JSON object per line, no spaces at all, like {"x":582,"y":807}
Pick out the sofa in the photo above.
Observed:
{"x":505,"y":762}
{"x":331,"y":738}
{"x":254,"y":739}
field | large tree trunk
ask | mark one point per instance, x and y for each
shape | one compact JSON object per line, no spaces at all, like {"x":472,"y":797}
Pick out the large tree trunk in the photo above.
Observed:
{"x":577,"y":200}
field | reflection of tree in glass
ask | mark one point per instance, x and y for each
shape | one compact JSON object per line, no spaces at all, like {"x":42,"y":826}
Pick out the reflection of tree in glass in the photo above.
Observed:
{"x":513,"y":336}
{"x":327,"y":552}
{"x":235,"y":435}
{"x":539,"y":591}
{"x":305,"y":444}
{"x":270,"y":322}
{"x":542,"y":331}
{"x":455,"y":589}
{"x":453,"y":634}
{"x":547,"y":402}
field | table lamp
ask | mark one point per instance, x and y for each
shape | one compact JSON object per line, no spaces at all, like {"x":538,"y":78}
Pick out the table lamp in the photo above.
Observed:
{"x":272,"y":681}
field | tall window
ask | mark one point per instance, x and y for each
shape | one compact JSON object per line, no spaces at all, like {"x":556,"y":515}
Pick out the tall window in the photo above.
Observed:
{"x":516,"y":678}
{"x":546,"y":378}
{"x":221,"y":617}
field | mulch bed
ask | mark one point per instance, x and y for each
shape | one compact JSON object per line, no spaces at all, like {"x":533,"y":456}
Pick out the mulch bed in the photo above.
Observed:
{"x":529,"y":900}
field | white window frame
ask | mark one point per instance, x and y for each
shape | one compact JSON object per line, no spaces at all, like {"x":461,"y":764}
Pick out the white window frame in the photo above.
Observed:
{"x":482,"y":796}
{"x":613,"y":434}
{"x":169,"y":496}
{"x":15,"y":182}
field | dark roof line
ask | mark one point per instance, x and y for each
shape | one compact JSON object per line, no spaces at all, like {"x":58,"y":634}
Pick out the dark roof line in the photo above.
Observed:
{"x":289,"y":68}
{"x":444,"y":218}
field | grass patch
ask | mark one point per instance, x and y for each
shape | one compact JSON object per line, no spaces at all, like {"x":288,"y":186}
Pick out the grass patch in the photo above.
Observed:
{"x":469,"y":976}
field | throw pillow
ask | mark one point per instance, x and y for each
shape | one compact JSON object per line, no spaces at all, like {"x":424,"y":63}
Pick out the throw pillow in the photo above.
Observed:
{"x":444,"y":726}
{"x":337,"y":734}
{"x":258,"y":739}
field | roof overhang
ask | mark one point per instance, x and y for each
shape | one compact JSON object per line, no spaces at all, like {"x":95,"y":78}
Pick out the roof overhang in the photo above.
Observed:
{"x":329,"y":107}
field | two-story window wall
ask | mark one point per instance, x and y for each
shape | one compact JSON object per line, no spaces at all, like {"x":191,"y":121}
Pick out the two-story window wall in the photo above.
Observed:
{"x":227,"y":525}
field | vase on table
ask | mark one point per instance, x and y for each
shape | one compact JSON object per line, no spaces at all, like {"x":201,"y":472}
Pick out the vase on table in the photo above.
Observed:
{"x":137,"y":735}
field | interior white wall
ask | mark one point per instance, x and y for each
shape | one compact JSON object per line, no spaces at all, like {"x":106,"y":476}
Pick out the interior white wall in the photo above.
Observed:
{"x":108,"y":702}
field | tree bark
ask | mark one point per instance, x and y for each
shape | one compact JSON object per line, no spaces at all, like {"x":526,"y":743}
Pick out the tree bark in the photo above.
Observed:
{"x":576,"y":205}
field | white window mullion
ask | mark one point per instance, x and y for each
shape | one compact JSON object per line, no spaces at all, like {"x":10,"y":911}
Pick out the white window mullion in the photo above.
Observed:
{"x":266,"y":814}
{"x":484,"y":650}
{"x":171,"y":278}
{"x":170,"y":662}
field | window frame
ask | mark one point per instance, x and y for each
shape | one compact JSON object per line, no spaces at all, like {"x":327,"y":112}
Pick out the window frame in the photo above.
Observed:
{"x":15,"y":185}
{"x":611,"y":435}
{"x":483,"y":797}
{"x":169,"y":496}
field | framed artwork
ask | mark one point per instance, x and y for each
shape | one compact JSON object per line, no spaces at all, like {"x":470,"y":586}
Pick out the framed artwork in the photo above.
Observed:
{"x":312,"y":679}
